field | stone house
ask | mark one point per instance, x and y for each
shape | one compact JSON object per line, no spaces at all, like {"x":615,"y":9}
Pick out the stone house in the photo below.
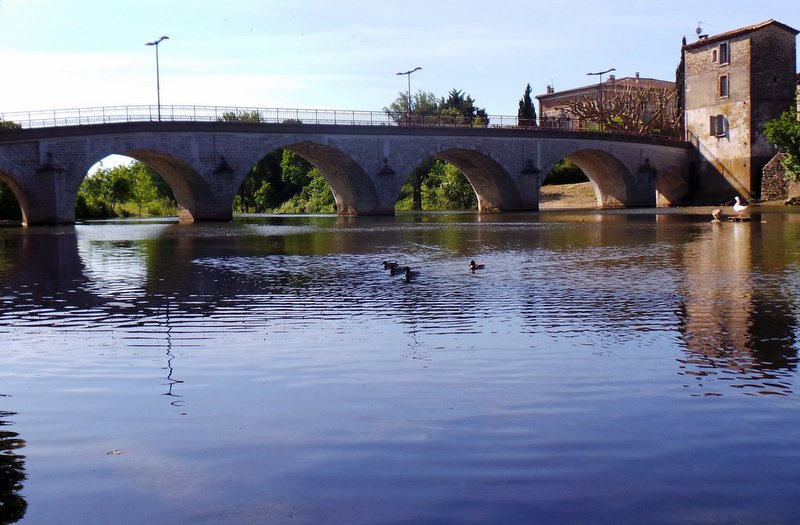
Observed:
{"x":734,"y":83}
{"x":554,"y":106}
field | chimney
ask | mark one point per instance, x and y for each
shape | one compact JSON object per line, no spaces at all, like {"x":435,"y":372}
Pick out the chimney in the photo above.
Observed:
{"x":637,"y":76}
{"x":550,"y":89}
{"x":612,"y":79}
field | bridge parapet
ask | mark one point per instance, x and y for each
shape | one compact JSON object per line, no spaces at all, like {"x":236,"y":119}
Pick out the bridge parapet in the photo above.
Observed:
{"x":256,"y":115}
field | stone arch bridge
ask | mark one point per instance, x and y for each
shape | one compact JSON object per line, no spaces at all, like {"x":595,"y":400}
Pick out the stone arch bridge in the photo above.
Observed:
{"x":205,"y":163}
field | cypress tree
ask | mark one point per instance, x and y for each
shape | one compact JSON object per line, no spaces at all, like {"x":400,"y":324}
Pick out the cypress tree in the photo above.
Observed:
{"x":526,"y":114}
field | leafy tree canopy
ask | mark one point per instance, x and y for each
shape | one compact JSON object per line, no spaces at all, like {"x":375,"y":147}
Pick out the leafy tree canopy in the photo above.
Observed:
{"x":241,"y":116}
{"x":784,"y":132}
{"x":425,"y":108}
{"x":104,"y":190}
{"x":9,"y":124}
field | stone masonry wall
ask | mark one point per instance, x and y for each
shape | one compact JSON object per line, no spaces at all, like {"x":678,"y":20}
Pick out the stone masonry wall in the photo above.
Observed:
{"x":774,"y":185}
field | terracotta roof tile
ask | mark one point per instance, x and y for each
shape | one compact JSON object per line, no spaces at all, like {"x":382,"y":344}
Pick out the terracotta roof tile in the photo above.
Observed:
{"x":739,"y":32}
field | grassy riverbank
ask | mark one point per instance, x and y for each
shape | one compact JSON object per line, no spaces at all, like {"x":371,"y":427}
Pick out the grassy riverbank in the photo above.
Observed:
{"x":579,"y":195}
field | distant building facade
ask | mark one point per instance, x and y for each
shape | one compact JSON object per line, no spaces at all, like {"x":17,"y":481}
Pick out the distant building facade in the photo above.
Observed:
{"x":554,"y":106}
{"x":734,"y":83}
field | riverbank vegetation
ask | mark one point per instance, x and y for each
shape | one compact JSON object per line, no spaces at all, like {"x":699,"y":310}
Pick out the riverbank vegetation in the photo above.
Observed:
{"x":132,"y":190}
{"x":784,"y":133}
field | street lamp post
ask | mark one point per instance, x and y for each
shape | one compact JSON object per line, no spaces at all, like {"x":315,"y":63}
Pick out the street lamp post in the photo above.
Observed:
{"x":408,"y":74}
{"x":600,"y":93}
{"x":158,"y":80}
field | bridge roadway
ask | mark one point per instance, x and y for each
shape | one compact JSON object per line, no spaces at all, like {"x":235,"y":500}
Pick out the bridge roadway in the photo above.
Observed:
{"x":205,"y":163}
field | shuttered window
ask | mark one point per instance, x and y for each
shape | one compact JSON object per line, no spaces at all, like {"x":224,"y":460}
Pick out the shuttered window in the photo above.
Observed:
{"x":724,"y":86}
{"x":718,"y":125}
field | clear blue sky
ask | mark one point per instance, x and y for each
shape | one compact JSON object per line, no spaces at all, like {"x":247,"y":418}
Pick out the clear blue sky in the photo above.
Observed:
{"x":344,"y":54}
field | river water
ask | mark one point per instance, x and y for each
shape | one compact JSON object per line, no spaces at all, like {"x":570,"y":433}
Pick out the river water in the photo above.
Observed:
{"x":604,"y":367}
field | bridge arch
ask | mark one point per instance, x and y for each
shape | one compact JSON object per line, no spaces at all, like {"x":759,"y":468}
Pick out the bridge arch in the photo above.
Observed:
{"x":180,"y":170}
{"x":11,"y":175}
{"x":611,"y":179}
{"x":353,"y":190}
{"x":494,"y":187}
{"x":671,"y":186}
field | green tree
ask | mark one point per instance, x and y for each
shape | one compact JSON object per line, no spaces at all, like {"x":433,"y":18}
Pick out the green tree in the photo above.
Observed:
{"x":263,"y":188}
{"x":294,"y":172}
{"x":437,"y":185}
{"x":423,"y":109}
{"x":449,"y":189}
{"x":117,"y":186}
{"x":465,"y":105}
{"x":314,"y":197}
{"x":284,"y":182}
{"x":680,"y":87}
{"x":107,"y":186}
{"x":91,"y":201}
{"x":101,"y":192}
{"x":142,"y":189}
{"x":565,"y":172}
{"x":426,"y":109}
{"x":9,"y":124}
{"x":784,"y":133}
{"x":526,"y":115}
{"x":413,"y":185}
{"x":241,"y":116}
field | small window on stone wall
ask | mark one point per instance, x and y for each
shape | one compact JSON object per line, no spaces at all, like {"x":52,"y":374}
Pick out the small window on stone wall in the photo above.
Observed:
{"x":724,"y":53}
{"x":724,"y":87}
{"x":714,"y":56}
{"x":718,"y":125}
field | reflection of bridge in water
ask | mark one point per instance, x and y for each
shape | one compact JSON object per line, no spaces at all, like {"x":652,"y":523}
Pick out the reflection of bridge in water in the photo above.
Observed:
{"x":244,"y":277}
{"x":365,"y":159}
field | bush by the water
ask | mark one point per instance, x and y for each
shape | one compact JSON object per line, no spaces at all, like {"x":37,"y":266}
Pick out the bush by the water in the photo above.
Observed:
{"x":565,"y":172}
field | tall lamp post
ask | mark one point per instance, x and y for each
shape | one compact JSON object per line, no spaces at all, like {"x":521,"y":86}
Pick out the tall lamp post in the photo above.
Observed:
{"x":158,"y":81}
{"x":600,"y":95}
{"x":408,"y":74}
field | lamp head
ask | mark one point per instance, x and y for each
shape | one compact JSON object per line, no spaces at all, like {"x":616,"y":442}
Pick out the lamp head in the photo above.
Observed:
{"x":156,"y":42}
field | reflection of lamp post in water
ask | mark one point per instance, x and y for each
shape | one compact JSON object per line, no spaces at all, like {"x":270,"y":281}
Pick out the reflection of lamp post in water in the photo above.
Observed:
{"x":408,"y":74}
{"x":170,"y":357}
{"x":600,"y":93}
{"x":158,"y":83}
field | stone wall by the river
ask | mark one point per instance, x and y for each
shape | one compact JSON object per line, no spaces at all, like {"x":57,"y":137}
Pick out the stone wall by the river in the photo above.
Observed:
{"x":774,"y":185}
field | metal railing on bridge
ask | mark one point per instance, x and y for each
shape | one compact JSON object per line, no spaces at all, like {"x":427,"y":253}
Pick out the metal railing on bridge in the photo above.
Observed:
{"x":171,"y":113}
{"x":119,"y":114}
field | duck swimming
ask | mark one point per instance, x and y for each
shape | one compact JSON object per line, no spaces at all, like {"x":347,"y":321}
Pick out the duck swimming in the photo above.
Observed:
{"x":388,"y":265}
{"x":410,"y":274}
{"x":473,"y":266}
